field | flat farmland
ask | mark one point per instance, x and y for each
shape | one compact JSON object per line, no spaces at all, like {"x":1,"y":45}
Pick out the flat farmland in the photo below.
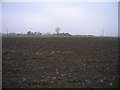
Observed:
{"x":59,"y":62}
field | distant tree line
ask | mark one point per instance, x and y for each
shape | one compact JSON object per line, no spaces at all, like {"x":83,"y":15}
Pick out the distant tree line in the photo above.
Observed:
{"x":47,"y":33}
{"x":30,"y":33}
{"x":33,"y":33}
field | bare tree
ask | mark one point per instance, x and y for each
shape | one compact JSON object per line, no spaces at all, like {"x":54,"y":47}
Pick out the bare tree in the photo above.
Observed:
{"x":29,"y":33}
{"x":57,"y":30}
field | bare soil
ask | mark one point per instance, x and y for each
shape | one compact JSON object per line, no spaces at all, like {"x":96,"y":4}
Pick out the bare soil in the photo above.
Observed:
{"x":59,"y":62}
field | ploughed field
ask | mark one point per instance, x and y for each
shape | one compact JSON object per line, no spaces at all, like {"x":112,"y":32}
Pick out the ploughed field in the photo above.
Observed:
{"x":59,"y":62}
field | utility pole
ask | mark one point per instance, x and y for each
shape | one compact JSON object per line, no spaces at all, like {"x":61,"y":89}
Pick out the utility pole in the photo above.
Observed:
{"x":102,"y":32}
{"x":7,"y":30}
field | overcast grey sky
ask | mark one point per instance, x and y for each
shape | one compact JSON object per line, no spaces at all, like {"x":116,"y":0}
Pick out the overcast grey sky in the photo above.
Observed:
{"x":81,"y":18}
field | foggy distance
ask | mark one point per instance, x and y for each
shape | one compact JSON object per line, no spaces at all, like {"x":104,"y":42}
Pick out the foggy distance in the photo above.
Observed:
{"x":76,"y":18}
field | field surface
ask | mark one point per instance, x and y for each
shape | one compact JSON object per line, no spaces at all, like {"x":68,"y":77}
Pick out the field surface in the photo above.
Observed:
{"x":59,"y":62}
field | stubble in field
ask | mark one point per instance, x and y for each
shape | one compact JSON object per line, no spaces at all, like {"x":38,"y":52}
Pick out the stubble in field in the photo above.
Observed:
{"x":59,"y":62}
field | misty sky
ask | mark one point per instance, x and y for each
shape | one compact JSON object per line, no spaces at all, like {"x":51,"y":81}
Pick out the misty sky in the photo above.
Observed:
{"x":81,"y":18}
